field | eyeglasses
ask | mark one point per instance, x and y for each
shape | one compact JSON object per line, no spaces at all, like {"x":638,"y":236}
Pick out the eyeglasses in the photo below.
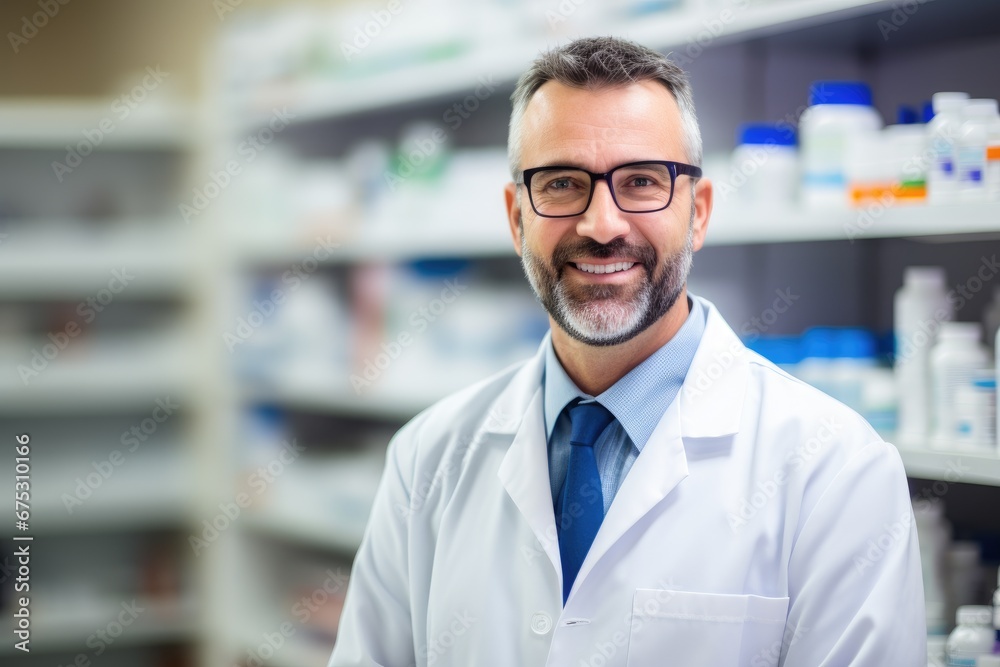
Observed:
{"x":636,"y":187}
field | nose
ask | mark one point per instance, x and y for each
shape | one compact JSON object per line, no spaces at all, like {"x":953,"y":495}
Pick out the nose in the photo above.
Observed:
{"x":603,"y":221}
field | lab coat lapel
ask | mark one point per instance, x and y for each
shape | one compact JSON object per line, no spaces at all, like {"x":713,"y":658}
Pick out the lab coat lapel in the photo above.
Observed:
{"x":709,"y":405}
{"x":656,"y":472}
{"x":524,"y":471}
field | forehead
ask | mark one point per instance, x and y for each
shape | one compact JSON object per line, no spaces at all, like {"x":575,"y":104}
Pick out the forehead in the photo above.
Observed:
{"x":601,"y":128}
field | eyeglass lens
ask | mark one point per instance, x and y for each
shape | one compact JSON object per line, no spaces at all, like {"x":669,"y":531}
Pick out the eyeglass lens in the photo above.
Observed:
{"x":637,"y":189}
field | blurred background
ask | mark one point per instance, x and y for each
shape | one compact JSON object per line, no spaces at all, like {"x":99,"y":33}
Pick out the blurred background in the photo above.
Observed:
{"x":243,"y":241}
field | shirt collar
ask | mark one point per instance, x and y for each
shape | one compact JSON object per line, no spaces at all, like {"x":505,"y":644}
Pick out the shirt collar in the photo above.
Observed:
{"x":639,"y":399}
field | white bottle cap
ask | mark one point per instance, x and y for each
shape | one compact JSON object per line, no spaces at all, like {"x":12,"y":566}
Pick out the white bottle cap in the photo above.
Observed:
{"x":924,"y":276}
{"x":974,"y":614}
{"x":948,"y":101}
{"x":988,"y":661}
{"x":983,"y":107}
{"x":959,"y":331}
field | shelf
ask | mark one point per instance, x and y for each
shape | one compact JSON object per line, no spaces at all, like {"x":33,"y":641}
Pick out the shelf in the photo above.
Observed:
{"x":38,"y":123}
{"x":974,"y":468}
{"x":951,"y":466}
{"x":310,"y":533}
{"x":299,"y":652}
{"x":489,"y":239}
{"x":390,"y":405}
{"x":148,"y":490}
{"x":51,"y":261}
{"x":320,"y":100}
{"x":733,"y":223}
{"x":55,"y":629}
{"x":126,"y":376}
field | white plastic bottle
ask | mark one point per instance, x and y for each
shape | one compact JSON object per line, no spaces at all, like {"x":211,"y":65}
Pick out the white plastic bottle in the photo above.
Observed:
{"x":955,"y":360}
{"x":765,"y":165}
{"x":919,"y":307}
{"x":972,"y":638}
{"x":993,"y":164}
{"x":942,"y":133}
{"x":906,"y":143}
{"x":840,"y":112}
{"x":981,"y":117}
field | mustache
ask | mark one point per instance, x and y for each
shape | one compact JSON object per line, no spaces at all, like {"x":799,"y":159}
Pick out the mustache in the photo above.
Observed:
{"x":618,"y":248}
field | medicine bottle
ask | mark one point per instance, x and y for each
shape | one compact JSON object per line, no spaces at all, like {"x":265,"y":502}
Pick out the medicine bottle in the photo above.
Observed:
{"x":956,"y":360}
{"x":972,"y":638}
{"x":919,"y":307}
{"x":981,"y":119}
{"x":767,"y":162}
{"x":840,"y":112}
{"x":942,"y":134}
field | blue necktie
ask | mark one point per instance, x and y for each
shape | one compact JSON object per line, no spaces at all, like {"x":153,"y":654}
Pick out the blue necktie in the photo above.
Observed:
{"x":581,"y":509}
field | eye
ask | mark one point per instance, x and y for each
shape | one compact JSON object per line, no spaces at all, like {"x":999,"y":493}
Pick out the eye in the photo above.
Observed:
{"x":562,"y":183}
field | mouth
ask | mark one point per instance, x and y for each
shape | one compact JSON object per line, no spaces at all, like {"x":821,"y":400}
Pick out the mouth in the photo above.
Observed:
{"x":601,"y":269}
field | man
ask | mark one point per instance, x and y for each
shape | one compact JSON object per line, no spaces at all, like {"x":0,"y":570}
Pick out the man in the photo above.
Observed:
{"x":645,"y":490}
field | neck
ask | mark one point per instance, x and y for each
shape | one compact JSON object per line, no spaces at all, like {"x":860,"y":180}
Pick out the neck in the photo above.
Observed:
{"x":595,"y":368}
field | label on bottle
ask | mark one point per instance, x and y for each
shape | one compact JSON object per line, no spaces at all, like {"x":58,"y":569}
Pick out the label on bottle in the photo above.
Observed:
{"x":971,"y":164}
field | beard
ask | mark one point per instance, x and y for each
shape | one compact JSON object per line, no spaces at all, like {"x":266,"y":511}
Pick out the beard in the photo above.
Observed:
{"x":604,"y":315}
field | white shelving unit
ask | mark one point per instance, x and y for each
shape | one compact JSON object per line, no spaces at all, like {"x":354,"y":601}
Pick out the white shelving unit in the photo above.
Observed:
{"x":54,"y":123}
{"x":325,"y":107}
{"x":326,"y":100}
{"x":48,"y":267}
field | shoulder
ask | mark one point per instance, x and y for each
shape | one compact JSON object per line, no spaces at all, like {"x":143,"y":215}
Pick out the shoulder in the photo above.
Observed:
{"x":456,"y":421}
{"x":807,"y":428}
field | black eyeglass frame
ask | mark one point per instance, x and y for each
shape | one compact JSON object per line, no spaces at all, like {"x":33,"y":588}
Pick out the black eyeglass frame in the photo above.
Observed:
{"x":674,"y":168}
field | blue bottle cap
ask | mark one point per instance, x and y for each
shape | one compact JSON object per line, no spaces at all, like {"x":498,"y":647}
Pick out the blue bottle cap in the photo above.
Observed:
{"x":928,"y":111}
{"x":855,"y":343}
{"x":819,"y":343}
{"x":764,"y":133}
{"x":906,"y":115}
{"x":840,"y":92}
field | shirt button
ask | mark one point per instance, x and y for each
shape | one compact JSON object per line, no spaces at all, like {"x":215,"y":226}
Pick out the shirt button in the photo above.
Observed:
{"x":541,"y":623}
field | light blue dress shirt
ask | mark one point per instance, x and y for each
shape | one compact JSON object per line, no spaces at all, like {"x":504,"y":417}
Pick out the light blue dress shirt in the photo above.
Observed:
{"x":638,"y":401}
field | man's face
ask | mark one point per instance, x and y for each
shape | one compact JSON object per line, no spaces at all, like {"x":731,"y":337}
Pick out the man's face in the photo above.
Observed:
{"x":641,"y":259}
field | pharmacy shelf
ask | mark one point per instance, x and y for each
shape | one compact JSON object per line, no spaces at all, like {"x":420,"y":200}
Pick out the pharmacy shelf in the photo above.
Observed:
{"x":314,"y":533}
{"x":57,"y":122}
{"x":132,"y":379}
{"x":733,"y":223}
{"x":50,"y":262}
{"x":299,"y":652}
{"x":388,"y":405}
{"x":666,"y":30}
{"x":486,"y":239}
{"x":56,"y":629}
{"x":142,"y":493}
{"x":951,"y":466}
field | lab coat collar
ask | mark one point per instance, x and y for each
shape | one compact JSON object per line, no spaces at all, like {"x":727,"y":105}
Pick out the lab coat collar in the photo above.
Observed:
{"x":709,"y":405}
{"x":711,"y":396}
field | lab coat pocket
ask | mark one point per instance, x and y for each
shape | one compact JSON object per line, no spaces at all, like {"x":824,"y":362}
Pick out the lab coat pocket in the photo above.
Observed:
{"x":685,"y":628}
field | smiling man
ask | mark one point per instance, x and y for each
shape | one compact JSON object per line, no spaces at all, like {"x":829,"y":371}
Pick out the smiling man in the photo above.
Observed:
{"x":645,"y":490}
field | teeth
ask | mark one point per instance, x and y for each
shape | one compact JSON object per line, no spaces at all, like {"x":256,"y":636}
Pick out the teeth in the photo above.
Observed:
{"x":605,"y":268}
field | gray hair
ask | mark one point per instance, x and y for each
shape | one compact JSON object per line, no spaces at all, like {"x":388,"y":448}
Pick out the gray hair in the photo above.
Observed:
{"x":601,"y":62}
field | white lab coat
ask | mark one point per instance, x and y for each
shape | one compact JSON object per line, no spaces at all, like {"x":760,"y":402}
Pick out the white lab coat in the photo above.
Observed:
{"x":763,"y":524}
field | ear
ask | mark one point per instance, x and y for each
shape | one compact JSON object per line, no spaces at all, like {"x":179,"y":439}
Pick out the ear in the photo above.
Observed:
{"x":702,"y":212}
{"x":513,"y":215}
